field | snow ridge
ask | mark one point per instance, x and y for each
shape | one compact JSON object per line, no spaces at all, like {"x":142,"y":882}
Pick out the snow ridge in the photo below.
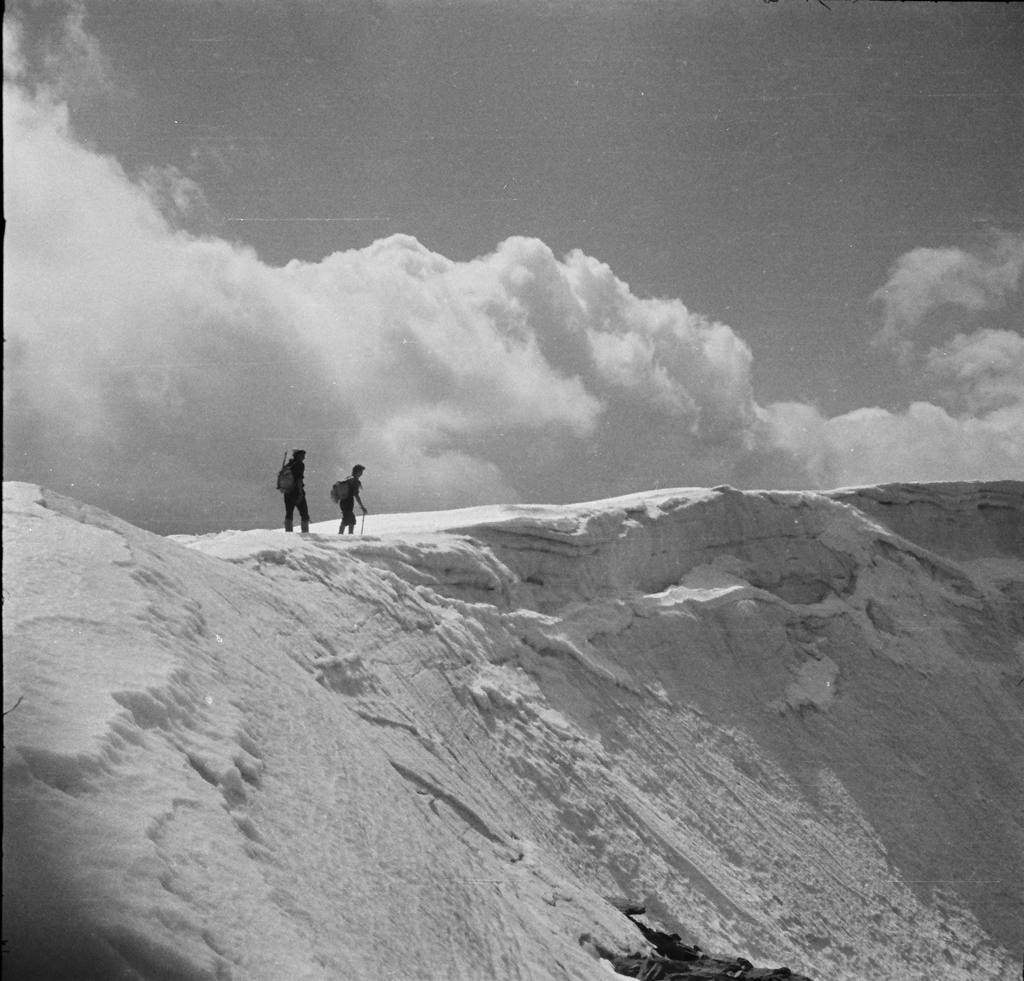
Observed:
{"x":787,"y":722}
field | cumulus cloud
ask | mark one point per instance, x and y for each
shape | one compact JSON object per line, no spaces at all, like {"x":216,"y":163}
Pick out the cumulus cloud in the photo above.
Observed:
{"x":151,"y":368}
{"x":161,"y":373}
{"x":972,"y":426}
{"x":921,"y":443}
{"x":981,"y":372}
{"x":925,"y":281}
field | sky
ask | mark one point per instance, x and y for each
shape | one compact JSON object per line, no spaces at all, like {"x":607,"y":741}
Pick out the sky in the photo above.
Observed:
{"x":539,"y":252}
{"x":436,"y":752}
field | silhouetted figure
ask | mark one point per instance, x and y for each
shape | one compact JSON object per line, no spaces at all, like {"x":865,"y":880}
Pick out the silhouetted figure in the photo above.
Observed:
{"x":296,"y":497}
{"x":346,"y":493}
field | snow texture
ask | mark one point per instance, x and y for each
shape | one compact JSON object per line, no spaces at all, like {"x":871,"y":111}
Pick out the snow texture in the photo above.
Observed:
{"x":790,"y":724}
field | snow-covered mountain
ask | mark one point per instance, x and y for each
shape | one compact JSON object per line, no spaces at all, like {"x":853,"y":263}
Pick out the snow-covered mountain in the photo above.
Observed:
{"x":791,"y":725}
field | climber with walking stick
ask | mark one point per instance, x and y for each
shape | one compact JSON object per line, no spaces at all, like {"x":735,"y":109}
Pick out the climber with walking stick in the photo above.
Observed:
{"x":345,"y":493}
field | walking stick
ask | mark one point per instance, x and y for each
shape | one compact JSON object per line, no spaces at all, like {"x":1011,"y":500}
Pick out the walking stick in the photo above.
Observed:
{"x":361,"y":523}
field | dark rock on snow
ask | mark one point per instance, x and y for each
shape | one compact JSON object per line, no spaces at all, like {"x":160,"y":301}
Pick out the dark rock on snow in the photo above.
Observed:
{"x":673,"y":960}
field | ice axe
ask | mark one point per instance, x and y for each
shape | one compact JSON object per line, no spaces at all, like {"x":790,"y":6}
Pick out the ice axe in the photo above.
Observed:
{"x":361,"y":523}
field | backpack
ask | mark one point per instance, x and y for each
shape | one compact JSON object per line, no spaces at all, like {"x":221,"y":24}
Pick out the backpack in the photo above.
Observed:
{"x":286,"y":478}
{"x":341,"y":491}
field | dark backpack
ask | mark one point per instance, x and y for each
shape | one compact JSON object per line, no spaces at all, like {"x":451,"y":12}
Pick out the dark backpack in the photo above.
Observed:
{"x":286,"y":478}
{"x":341,"y":491}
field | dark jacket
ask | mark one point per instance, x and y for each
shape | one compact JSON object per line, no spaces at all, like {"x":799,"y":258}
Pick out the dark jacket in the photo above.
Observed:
{"x":298,"y":469}
{"x":355,"y":485}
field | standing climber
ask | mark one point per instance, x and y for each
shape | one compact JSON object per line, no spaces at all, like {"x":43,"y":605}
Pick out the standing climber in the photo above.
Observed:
{"x":346,"y":494}
{"x":295,"y":497}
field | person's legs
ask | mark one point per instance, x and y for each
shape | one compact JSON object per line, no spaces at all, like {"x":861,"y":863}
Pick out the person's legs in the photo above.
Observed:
{"x":304,"y":513}
{"x":289,"y":511}
{"x":348,"y":520}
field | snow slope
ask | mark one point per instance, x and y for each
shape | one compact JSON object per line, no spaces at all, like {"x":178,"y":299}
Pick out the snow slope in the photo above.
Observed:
{"x":791,"y":724}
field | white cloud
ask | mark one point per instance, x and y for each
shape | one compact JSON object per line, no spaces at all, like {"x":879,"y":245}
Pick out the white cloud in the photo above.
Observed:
{"x":924,"y":280}
{"x":972,"y":427}
{"x":922,"y":443}
{"x":14,"y":60}
{"x":982,"y":372}
{"x":140,"y":355}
